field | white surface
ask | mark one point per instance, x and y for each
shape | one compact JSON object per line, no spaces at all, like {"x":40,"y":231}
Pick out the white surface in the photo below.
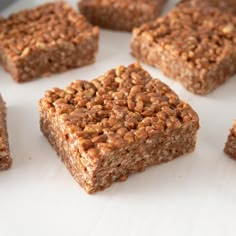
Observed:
{"x":193,"y":195}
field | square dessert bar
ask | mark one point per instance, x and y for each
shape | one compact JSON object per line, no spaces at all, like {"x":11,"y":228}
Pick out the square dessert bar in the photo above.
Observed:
{"x":120,"y":14}
{"x":48,"y":39}
{"x":5,"y":159}
{"x":230,"y":146}
{"x":115,"y":125}
{"x":193,"y":45}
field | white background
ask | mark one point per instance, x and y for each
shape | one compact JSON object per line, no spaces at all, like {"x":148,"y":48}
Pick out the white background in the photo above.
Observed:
{"x":194,"y":195}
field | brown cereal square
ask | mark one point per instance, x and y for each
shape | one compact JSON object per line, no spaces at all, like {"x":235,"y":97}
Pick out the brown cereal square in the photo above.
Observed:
{"x":5,"y":159}
{"x":51,"y":38}
{"x":193,"y":45}
{"x":115,"y":125}
{"x":120,"y":14}
{"x":230,"y":146}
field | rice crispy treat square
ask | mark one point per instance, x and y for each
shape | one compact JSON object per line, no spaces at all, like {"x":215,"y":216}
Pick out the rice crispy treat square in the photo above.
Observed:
{"x":193,"y":45}
{"x":48,"y":39}
{"x":120,"y":14}
{"x":115,"y":125}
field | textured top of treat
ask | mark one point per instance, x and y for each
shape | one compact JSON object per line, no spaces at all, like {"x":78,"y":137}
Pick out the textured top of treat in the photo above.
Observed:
{"x":199,"y":36}
{"x":41,"y":27}
{"x":122,"y":106}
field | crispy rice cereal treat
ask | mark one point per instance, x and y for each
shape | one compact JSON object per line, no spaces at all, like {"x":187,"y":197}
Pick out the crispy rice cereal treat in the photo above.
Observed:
{"x":120,"y":14}
{"x":49,"y":39}
{"x":193,"y":45}
{"x":115,"y":125}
